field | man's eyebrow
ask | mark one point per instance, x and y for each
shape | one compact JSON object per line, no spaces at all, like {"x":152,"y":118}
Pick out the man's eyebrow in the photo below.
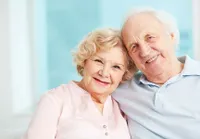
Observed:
{"x":150,"y":34}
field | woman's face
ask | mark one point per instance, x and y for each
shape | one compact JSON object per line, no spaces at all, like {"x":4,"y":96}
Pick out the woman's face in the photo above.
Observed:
{"x":104,"y":71}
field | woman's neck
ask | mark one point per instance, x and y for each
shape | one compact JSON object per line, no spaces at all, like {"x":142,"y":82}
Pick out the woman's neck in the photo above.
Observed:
{"x":98,"y":99}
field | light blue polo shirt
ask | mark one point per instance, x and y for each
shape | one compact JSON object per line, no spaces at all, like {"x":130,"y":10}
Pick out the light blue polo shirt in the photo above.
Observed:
{"x":170,"y":111}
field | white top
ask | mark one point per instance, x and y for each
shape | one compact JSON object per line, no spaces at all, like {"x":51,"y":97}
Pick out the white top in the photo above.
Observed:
{"x":68,"y":112}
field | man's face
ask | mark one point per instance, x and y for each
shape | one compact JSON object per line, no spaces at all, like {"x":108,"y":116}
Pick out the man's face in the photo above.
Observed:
{"x":149,"y":44}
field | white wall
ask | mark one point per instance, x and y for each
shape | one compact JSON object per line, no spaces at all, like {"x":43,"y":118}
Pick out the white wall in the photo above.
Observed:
{"x":16,"y":64}
{"x":20,"y":56}
{"x":196,"y":28}
{"x":23,"y":63}
{"x":5,"y":66}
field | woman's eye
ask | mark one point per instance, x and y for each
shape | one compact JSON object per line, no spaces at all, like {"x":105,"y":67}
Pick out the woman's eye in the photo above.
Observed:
{"x":98,"y":61}
{"x":116,"y":67}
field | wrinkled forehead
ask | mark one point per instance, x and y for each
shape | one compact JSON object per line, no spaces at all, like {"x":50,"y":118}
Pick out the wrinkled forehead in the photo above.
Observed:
{"x":138,"y":26}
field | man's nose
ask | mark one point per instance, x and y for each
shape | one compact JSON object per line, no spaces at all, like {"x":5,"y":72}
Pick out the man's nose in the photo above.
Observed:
{"x":145,"y":49}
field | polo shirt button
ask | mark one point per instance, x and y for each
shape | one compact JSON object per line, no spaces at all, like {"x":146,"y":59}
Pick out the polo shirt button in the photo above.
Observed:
{"x":104,"y":126}
{"x":106,"y":133}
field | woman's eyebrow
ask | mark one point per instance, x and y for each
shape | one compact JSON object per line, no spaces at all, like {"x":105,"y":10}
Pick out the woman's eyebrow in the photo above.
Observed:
{"x":119,"y":64}
{"x":115,"y":63}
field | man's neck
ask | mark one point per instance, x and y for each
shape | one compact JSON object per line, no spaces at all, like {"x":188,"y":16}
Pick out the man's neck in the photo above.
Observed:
{"x":166,"y":75}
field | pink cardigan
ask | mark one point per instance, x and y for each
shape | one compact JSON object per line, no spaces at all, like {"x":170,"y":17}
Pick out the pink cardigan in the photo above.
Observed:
{"x":68,"y":112}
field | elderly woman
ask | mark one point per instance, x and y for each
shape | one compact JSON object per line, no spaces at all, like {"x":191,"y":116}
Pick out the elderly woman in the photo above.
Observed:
{"x":85,"y":109}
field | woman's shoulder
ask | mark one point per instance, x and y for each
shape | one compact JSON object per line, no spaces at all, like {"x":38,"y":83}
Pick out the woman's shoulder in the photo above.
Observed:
{"x":59,"y":93}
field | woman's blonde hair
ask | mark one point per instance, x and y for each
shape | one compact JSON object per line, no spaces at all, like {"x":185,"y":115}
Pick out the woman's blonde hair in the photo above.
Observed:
{"x":102,"y":40}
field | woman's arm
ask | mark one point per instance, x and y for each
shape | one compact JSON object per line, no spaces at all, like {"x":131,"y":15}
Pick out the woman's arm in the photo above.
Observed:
{"x":45,"y":120}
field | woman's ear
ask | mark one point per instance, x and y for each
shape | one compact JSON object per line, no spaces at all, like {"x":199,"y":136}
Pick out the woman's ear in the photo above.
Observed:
{"x":83,"y":65}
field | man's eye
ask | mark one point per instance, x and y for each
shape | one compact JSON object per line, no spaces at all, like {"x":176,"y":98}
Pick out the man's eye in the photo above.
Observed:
{"x":133,"y":48}
{"x":150,"y":38}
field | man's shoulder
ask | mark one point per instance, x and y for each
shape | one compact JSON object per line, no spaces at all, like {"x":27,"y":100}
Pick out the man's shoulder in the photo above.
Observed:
{"x":191,"y":66}
{"x":127,"y":88}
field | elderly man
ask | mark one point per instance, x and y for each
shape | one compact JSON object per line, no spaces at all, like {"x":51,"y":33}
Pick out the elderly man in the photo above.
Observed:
{"x":162,"y":101}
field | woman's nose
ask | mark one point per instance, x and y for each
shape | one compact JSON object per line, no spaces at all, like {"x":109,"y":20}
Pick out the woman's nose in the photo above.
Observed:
{"x":105,"y":71}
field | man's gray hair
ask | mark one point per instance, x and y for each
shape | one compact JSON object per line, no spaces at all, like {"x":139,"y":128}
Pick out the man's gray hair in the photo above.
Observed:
{"x":165,"y":18}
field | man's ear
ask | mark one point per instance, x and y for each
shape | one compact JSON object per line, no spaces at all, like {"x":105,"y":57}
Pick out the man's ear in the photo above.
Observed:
{"x":172,"y":36}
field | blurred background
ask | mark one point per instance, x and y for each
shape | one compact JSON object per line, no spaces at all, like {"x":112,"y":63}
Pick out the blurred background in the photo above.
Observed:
{"x":37,"y":36}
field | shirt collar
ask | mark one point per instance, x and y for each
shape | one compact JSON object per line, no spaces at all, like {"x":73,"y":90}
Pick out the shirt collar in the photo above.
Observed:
{"x":191,"y":67}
